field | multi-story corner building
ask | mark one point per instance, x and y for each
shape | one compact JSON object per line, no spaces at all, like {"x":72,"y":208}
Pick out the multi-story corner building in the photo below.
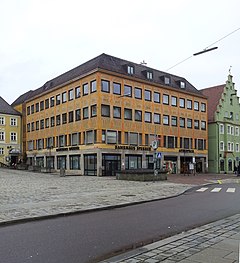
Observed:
{"x":10,"y":134}
{"x":102,"y":116}
{"x":223,"y":127}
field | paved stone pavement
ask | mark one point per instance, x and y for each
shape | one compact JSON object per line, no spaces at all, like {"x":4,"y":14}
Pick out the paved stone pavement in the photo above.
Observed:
{"x":217,"y":242}
{"x":26,"y":194}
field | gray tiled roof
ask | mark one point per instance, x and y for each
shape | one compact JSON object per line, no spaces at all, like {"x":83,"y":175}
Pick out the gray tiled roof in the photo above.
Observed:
{"x":5,"y":108}
{"x":112,"y":64}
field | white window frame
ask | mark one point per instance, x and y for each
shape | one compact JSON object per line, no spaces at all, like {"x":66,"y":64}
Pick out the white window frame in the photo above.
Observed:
{"x":237,"y":131}
{"x":221,"y":146}
{"x":2,"y":136}
{"x":221,"y":129}
{"x":1,"y":151}
{"x":2,"y":120}
{"x":237,"y":147}
{"x":13,"y":136}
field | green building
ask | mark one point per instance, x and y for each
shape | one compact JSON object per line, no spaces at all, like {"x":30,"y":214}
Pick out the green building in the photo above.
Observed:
{"x":223,"y":127}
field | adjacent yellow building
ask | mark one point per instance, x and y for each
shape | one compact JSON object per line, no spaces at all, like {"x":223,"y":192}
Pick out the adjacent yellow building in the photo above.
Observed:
{"x":10,"y":134}
{"x":102,"y":116}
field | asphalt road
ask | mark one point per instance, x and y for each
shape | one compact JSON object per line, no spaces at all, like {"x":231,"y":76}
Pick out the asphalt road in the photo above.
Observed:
{"x":88,"y":237}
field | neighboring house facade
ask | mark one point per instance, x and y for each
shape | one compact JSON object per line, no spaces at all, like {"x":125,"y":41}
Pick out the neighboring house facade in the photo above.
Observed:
{"x":223,"y":127}
{"x":102,"y":116}
{"x":10,"y":134}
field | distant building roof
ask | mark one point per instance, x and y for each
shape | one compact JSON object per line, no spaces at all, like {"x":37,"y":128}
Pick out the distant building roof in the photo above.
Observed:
{"x":5,"y":108}
{"x":214,"y":95}
{"x":113,"y":64}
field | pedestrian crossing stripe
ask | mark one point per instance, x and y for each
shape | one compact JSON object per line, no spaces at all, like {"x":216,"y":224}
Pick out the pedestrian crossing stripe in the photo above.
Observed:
{"x":216,"y":190}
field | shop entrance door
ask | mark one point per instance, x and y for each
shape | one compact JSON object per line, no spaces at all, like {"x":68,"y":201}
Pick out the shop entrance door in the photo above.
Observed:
{"x":111,"y":167}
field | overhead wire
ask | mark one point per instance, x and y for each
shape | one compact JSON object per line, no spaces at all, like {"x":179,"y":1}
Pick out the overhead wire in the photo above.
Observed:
{"x":205,"y":49}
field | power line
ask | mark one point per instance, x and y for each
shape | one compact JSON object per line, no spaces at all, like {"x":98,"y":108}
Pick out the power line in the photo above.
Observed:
{"x":207,"y":49}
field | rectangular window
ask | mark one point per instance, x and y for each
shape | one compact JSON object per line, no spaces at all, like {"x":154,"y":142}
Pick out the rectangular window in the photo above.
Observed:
{"x":203,"y":125}
{"x":1,"y":151}
{"x":62,"y":140}
{"x":105,"y":110}
{"x":149,"y":75}
{"x":52,"y":121}
{"x":148,"y":116}
{"x":93,"y":86}
{"x":85,"y":113}
{"x":13,"y":122}
{"x":42,"y":124}
{"x":182,"y":103}
{"x":237,"y":147}
{"x":237,"y":131}
{"x":70,"y":94}
{"x":28,"y":110}
{"x":196,"y":124}
{"x":70,"y":116}
{"x":138,"y":93}
{"x":221,"y":146}
{"x":28,"y":127}
{"x":77,"y":114}
{"x":37,"y":107}
{"x":77,"y":92}
{"x":47,"y":123}
{"x":32,"y":126}
{"x":64,"y":118}
{"x":116,"y":112}
{"x":89,"y":137}
{"x":157,"y":118}
{"x":138,"y":115}
{"x":156,"y":97}
{"x":2,"y":120}
{"x":46,"y":103}
{"x":165,"y":99}
{"x":41,"y":105}
{"x":221,"y":129}
{"x":58,"y":99}
{"x":85,"y":89}
{"x":196,"y":105}
{"x":174,"y":121}
{"x":105,"y":85}
{"x":58,"y":120}
{"x":52,"y":102}
{"x":174,"y":101}
{"x":128,"y":114}
{"x":2,"y":136}
{"x":64,"y":97}
{"x":37,"y":125}
{"x":189,"y":123}
{"x":32,"y":109}
{"x":147,"y":95}
{"x":74,"y":161}
{"x":13,"y":136}
{"x":203,"y":107}
{"x":165,"y":120}
{"x":127,"y":91}
{"x":116,"y":88}
{"x":130,"y":70}
{"x":189,"y":104}
{"x":182,"y":122}
{"x":111,"y":137}
{"x":94,"y":110}
{"x":133,"y":138}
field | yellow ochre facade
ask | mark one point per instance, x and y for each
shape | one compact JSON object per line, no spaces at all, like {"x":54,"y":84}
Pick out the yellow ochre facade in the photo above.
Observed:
{"x":102,"y":117}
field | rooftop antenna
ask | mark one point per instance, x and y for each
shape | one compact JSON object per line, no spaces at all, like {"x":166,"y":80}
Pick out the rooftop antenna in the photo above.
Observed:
{"x":143,"y":63}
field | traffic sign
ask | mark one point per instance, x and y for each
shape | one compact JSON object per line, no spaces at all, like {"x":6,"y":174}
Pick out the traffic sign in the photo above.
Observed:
{"x":154,"y":144}
{"x":159,"y":155}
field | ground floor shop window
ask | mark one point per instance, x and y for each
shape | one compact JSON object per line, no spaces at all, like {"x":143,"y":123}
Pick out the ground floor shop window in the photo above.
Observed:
{"x":40,"y":161}
{"x":50,"y":162}
{"x":133,"y":162}
{"x":150,"y":163}
{"x":90,"y":164}
{"x":61,"y":162}
{"x":74,"y":161}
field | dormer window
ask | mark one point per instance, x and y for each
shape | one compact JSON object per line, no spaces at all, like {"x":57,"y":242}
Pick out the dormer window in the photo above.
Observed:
{"x":149,"y":75}
{"x":130,"y":70}
{"x":166,"y":80}
{"x":182,"y":84}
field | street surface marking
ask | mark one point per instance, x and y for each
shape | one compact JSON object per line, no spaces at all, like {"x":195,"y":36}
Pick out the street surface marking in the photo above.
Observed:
{"x":216,"y":190}
{"x":203,"y":189}
{"x":231,"y":190}
{"x":219,"y":181}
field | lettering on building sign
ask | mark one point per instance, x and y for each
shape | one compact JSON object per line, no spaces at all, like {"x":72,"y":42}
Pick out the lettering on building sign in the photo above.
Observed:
{"x":186,"y":151}
{"x":133,"y":148}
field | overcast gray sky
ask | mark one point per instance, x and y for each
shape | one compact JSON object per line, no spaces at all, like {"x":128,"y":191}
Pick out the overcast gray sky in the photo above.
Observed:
{"x":43,"y":39}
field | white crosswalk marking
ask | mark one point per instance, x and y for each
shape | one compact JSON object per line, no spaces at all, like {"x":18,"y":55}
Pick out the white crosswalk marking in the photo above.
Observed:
{"x":216,"y":190}
{"x":203,"y":189}
{"x":231,"y":190}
